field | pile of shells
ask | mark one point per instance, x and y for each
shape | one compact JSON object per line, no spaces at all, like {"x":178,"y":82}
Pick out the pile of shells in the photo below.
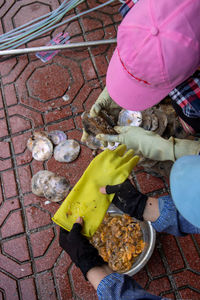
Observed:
{"x":161,"y":119}
{"x":43,"y":144}
{"x":49,"y":185}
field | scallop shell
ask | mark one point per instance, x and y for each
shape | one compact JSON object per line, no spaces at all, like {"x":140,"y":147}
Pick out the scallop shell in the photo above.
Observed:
{"x":42,"y":149}
{"x":154,"y":122}
{"x":92,"y":142}
{"x":38,"y":181}
{"x":30,"y":144}
{"x":162,"y":119}
{"x":36,"y":135}
{"x":146,"y":121}
{"x":57,"y":136}
{"x":96,"y":125}
{"x":129,"y":118}
{"x":40,"y":134}
{"x":67,"y":151}
{"x":49,"y":185}
{"x":56,"y":189}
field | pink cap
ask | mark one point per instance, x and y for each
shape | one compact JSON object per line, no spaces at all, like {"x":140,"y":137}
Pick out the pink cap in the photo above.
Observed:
{"x":158,"y":47}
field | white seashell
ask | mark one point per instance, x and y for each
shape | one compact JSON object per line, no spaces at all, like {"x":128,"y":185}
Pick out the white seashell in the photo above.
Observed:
{"x":40,"y":134}
{"x":36,"y":135}
{"x":30,"y":144}
{"x":42,"y":149}
{"x":56,"y":189}
{"x":57,"y":136}
{"x":129,"y":118}
{"x":92,"y":142}
{"x":49,"y":185}
{"x":38,"y":181}
{"x":67,"y":151}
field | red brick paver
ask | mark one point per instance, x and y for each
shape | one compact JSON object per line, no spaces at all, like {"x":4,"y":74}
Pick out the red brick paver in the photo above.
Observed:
{"x":38,"y":96}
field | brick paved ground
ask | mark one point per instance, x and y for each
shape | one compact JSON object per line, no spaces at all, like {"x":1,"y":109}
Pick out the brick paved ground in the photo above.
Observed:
{"x":32,"y":266}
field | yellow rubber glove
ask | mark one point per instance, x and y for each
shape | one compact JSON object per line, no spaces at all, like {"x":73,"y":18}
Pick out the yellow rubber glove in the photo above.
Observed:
{"x":151,"y":145}
{"x":85,"y":199}
{"x":104,"y":102}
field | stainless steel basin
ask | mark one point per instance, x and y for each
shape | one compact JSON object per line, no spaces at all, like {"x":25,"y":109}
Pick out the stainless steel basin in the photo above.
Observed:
{"x":149,"y":237}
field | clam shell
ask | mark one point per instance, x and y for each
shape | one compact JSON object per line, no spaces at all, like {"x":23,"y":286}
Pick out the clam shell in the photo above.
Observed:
{"x":146,"y":121}
{"x":67,"y":151}
{"x":57,"y":136}
{"x":129,"y":118}
{"x":56,"y":189}
{"x":162,"y":119}
{"x":49,"y":185}
{"x":38,"y":181}
{"x":154,"y":122}
{"x":30,"y":144}
{"x":42,"y":149}
{"x":93,"y":143}
{"x":40,"y":134}
{"x":35,"y":135}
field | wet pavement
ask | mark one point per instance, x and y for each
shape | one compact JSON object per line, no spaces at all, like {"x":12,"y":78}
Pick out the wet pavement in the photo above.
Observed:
{"x":47,"y":96}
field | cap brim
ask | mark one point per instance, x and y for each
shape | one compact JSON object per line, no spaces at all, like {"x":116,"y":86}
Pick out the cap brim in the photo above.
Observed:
{"x":127,"y":91}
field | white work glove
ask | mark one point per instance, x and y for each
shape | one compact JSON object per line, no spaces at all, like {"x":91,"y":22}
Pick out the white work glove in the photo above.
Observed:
{"x":104,"y":102}
{"x":151,"y":145}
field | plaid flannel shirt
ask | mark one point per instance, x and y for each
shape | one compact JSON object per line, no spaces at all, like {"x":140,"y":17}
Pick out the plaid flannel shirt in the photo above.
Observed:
{"x":187,"y":94}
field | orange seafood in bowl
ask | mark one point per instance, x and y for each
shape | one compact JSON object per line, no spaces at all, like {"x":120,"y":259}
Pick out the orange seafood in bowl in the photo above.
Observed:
{"x":119,"y":240}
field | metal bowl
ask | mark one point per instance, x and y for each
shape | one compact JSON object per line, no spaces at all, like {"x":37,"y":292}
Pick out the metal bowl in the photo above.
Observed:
{"x":149,"y":237}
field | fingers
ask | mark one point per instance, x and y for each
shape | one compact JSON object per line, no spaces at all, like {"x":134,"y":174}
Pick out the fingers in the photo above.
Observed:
{"x":127,"y":156}
{"x":84,"y":136}
{"x":133,"y":162}
{"x":104,"y":144}
{"x":121,"y":129}
{"x":108,"y":138}
{"x":95,"y":109}
{"x":77,"y":227}
{"x":102,"y":190}
{"x":79,"y":220}
{"x":120,"y":150}
{"x":111,"y":189}
{"x":129,"y":165}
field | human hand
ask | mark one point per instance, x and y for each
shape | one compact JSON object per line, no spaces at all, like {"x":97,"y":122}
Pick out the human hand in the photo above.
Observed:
{"x":82,"y":253}
{"x":127,"y":198}
{"x":109,"y":167}
{"x":143,"y":142}
{"x":104,"y":101}
{"x":85,"y":136}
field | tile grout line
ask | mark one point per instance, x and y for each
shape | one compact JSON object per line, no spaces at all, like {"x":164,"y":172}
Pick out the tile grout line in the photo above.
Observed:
{"x":168,"y":271}
{"x":20,"y":194}
{"x":89,"y":50}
